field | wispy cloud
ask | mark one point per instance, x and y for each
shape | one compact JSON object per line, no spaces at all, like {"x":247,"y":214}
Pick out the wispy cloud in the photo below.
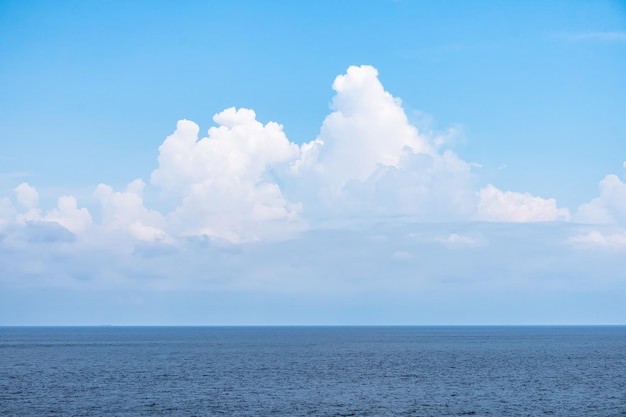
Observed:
{"x":594,"y":36}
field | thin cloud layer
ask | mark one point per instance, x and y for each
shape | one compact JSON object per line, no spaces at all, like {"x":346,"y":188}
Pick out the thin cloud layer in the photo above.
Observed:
{"x":391,"y":258}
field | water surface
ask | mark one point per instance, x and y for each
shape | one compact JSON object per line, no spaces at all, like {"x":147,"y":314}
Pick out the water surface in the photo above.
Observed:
{"x":313,"y":371}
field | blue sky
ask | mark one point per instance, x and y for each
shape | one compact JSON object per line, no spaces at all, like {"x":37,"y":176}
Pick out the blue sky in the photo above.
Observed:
{"x":395,"y":162}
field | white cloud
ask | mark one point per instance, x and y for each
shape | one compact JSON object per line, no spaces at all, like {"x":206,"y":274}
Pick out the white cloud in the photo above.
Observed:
{"x":367,"y":129}
{"x":597,"y":238}
{"x":380,"y":260}
{"x":609,"y":207}
{"x":124,"y":212}
{"x":369,"y":160}
{"x":26,"y":196}
{"x":68,"y":215}
{"x":225,"y":183}
{"x":508,"y":206}
{"x":28,"y":199}
{"x":246,"y":181}
{"x":455,"y":239}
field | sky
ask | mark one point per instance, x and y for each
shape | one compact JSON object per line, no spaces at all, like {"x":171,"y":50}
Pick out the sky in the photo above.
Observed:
{"x":312,"y":163}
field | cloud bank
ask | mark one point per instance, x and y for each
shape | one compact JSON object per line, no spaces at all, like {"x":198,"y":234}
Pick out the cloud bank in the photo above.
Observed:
{"x":246,"y":181}
{"x":372,"y":203}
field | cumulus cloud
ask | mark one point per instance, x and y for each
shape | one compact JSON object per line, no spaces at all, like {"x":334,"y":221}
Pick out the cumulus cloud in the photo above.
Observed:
{"x":369,"y":160}
{"x":68,"y":215}
{"x":609,"y":207}
{"x":124,"y":212}
{"x":246,"y":181}
{"x":367,"y":129}
{"x":27,"y":196}
{"x":225,"y":183}
{"x":28,"y":199}
{"x":509,"y":206}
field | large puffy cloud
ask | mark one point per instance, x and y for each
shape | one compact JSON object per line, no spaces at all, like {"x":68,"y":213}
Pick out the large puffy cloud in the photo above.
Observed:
{"x":367,"y":129}
{"x":423,"y":187}
{"x":369,"y":160}
{"x":225,"y":183}
{"x":509,"y":206}
{"x":246,"y":180}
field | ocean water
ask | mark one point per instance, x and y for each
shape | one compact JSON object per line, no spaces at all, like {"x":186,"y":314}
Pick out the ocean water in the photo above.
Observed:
{"x":313,"y":371}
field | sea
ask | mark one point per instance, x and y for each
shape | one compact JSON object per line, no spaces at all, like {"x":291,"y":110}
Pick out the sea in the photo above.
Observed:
{"x":313,"y":371}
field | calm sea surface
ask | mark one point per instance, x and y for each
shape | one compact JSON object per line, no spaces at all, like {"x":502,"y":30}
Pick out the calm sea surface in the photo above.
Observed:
{"x":313,"y":371}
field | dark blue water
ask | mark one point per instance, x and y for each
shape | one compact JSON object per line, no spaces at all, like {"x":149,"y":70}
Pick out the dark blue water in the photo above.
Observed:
{"x":309,"y":371}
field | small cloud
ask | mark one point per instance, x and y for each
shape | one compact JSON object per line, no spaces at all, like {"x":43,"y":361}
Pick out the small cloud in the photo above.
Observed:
{"x":26,"y":196}
{"x":596,"y":238}
{"x":401,"y":256}
{"x":509,"y":206}
{"x":455,"y":239}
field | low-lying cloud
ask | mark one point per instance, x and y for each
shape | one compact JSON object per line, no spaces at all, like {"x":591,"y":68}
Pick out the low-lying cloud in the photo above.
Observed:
{"x":246,"y":181}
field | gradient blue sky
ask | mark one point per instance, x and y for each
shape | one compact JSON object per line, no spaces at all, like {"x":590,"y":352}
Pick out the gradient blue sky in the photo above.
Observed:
{"x":507,"y":206}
